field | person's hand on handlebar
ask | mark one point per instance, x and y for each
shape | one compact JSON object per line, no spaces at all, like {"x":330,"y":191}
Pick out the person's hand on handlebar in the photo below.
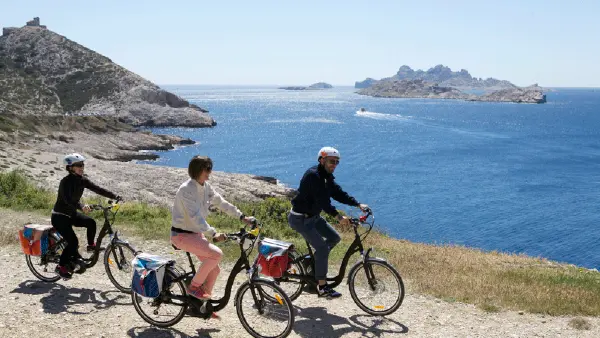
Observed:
{"x":364,"y":207}
{"x":249,"y":220}
{"x":219,"y":237}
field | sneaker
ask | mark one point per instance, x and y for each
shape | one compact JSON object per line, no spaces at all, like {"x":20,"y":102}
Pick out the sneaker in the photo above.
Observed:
{"x":198,"y":292}
{"x":327,"y":291}
{"x":92,"y":248}
{"x":63,"y":272}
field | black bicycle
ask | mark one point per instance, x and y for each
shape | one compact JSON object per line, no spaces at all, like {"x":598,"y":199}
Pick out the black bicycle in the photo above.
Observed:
{"x":117,"y":256}
{"x":256,"y":298}
{"x":375,"y":285}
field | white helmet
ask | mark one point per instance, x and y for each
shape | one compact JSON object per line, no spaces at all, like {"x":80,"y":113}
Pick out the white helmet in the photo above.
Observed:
{"x":328,"y":151}
{"x":73,"y":158}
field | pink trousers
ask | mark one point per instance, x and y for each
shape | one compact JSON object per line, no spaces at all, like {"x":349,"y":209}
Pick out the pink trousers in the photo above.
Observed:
{"x":209,"y":254}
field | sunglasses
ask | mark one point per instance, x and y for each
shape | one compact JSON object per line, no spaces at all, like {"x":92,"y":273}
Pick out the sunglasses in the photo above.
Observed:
{"x":79,"y":165}
{"x":336,"y":162}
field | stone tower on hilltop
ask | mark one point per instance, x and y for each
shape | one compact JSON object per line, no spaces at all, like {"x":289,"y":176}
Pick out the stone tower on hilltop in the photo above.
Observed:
{"x":31,"y":23}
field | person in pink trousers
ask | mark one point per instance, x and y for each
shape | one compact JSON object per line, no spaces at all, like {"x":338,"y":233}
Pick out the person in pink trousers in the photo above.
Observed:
{"x":191,"y":232}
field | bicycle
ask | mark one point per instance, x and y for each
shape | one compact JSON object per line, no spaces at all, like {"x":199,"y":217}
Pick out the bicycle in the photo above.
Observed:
{"x":266,"y":297}
{"x":301,"y":273}
{"x":114,"y":254}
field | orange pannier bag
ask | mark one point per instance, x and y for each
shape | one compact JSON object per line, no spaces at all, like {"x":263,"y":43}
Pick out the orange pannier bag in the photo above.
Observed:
{"x":35,"y":238}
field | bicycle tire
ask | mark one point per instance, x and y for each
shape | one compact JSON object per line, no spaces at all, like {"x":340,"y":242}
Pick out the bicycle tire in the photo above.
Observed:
{"x":107,"y":264}
{"x":53,"y":251}
{"x":374,"y":262}
{"x":135,"y":298}
{"x":261,"y":285}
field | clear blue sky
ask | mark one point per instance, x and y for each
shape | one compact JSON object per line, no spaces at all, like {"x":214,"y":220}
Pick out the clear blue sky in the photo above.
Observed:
{"x":554,"y":43}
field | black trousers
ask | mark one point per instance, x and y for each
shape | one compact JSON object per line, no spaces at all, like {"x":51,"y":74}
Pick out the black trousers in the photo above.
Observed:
{"x":64,"y":225}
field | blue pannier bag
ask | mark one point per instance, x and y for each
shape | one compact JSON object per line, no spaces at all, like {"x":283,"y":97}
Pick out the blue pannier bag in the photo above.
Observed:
{"x":148,"y":274}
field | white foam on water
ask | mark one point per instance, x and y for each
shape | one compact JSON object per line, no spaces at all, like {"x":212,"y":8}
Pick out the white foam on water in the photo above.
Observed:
{"x":380,"y":116}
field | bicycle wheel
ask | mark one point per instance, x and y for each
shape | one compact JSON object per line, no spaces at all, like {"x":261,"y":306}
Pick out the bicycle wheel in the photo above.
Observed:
{"x":376,"y":287}
{"x":44,"y":267}
{"x":117,"y":262}
{"x":163,"y":311}
{"x":252,"y":306}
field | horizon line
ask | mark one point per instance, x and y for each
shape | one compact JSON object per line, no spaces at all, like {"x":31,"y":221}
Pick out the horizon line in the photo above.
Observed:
{"x":334,"y":85}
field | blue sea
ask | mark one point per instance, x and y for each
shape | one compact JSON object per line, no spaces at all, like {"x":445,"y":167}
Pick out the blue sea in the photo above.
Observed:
{"x":518,"y":178}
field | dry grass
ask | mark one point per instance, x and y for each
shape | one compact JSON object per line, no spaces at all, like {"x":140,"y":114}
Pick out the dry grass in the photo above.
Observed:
{"x":493,"y":280}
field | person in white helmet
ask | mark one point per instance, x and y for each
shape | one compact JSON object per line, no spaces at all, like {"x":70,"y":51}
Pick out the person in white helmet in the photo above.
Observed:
{"x":316,"y":189}
{"x":65,"y":215}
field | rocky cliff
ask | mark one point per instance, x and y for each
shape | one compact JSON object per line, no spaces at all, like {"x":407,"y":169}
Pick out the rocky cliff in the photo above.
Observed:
{"x":44,"y":73}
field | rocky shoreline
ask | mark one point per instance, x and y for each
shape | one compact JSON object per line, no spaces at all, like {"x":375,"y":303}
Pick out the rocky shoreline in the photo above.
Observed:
{"x":147,"y":183}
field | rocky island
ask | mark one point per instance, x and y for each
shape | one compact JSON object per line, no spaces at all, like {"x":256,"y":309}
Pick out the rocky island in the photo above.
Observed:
{"x":57,"y":97}
{"x":314,"y":86}
{"x":443,"y":76}
{"x":441,"y":82}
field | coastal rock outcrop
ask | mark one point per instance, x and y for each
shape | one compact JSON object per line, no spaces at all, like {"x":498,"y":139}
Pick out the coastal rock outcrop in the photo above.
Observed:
{"x":423,"y":89}
{"x":412,"y":89}
{"x":44,"y":73}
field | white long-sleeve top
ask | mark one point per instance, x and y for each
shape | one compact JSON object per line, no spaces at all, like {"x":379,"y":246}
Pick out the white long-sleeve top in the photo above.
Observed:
{"x":190,"y":208}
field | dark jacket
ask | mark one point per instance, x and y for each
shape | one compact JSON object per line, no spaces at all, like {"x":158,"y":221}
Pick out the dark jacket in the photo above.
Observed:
{"x":70,"y":191}
{"x":317,"y":187}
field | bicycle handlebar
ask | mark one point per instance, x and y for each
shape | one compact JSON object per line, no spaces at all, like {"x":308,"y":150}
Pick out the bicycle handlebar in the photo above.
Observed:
{"x":105,"y":208}
{"x":362,"y":219}
{"x":242,"y":233}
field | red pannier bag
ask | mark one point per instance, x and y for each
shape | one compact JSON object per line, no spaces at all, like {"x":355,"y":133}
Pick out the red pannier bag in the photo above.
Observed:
{"x":273,"y":257}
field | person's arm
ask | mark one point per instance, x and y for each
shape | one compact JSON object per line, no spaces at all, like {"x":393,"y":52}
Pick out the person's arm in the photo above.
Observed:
{"x":341,"y":196}
{"x":98,"y":190}
{"x":190,"y":208}
{"x":222,"y":204}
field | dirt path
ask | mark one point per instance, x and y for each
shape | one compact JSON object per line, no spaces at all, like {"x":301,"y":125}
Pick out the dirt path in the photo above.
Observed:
{"x":89,"y":306}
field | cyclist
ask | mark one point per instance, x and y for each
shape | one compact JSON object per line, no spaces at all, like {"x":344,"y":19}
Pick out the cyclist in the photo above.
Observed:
{"x":191,"y":232}
{"x":65,"y":215}
{"x":316,"y":189}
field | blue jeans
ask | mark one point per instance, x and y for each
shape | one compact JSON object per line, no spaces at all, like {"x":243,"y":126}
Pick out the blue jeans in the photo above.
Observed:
{"x":320,"y":235}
